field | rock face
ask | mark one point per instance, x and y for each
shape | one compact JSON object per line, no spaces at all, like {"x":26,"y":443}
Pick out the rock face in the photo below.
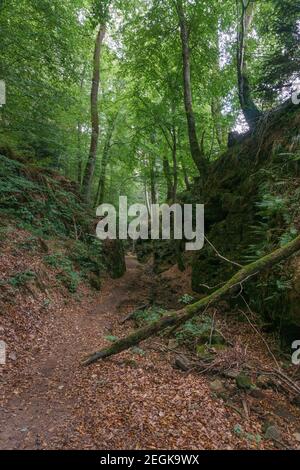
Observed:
{"x":243,"y":226}
{"x":114,"y":257}
{"x":294,"y":293}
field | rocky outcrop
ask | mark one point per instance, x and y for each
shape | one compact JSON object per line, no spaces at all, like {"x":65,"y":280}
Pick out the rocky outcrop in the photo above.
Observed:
{"x":241,"y":225}
{"x":114,"y":258}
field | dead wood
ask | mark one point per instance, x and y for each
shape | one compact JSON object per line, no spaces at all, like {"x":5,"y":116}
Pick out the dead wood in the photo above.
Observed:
{"x":177,"y":318}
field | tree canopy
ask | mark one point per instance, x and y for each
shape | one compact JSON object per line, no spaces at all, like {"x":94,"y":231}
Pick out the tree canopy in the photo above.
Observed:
{"x":175,"y":78}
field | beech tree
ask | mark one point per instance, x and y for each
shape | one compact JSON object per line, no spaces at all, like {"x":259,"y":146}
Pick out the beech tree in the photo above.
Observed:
{"x":196,"y":150}
{"x":183,"y":80}
{"x":100,"y":16}
{"x":246,"y":10}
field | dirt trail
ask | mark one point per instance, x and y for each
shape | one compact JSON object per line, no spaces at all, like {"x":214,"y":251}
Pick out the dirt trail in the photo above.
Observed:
{"x":132,"y":401}
{"x":33,"y":417}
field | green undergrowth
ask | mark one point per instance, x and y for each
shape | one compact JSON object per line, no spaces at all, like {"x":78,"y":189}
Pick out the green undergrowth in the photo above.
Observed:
{"x":199,"y":332}
{"x":59,"y":223}
{"x":196,"y":334}
{"x":151,"y":315}
{"x":37,"y":200}
{"x":252,"y":207}
{"x":278,"y":215}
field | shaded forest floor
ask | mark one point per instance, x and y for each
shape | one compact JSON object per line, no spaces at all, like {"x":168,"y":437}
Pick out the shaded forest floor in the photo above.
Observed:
{"x":131,"y":401}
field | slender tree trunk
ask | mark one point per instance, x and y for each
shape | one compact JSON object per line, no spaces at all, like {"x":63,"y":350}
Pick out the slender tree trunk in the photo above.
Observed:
{"x":249,"y":108}
{"x":90,"y":167}
{"x":79,"y":135}
{"x":175,"y":319}
{"x":153,"y":182}
{"x":147,"y":198}
{"x":168,"y":177}
{"x":171,"y":176}
{"x":79,"y":154}
{"x":197,"y":155}
{"x":185,"y":176}
{"x":216,"y":115}
{"x":174,"y":159}
{"x":104,"y":162}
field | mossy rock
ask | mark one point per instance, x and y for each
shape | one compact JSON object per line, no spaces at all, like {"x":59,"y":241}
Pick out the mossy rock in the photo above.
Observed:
{"x":203,"y":354}
{"x":114,"y":257}
{"x":244,"y":382}
{"x":217,"y":387}
{"x":215,"y":339}
{"x":220,"y":347}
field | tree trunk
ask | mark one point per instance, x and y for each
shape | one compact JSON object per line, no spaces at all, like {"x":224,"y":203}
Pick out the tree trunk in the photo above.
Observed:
{"x":168,"y":177}
{"x":197,"y":155}
{"x":216,"y":115}
{"x":90,"y":167}
{"x":147,"y":198}
{"x":79,"y":136}
{"x":174,"y":159}
{"x":178,"y":318}
{"x":104,"y":162}
{"x":171,"y":176}
{"x":249,"y":108}
{"x":79,"y":154}
{"x":153,"y":182}
{"x":185,"y":177}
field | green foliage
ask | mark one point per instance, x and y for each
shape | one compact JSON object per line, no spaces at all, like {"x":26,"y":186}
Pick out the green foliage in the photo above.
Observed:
{"x":67,"y":275}
{"x":87,"y":256}
{"x":186,"y":299}
{"x":277,"y":211}
{"x":137,"y":351}
{"x":271,"y":205}
{"x":49,"y":206}
{"x":100,"y":11}
{"x":57,"y":261}
{"x":39,"y":202}
{"x":43,"y":48}
{"x":70,"y":279}
{"x":111,"y":339}
{"x":280,"y":64}
{"x":239,"y":431}
{"x":149,"y":316}
{"x":22,"y":278}
{"x":47,"y":66}
{"x":195,"y":329}
{"x":29,"y":244}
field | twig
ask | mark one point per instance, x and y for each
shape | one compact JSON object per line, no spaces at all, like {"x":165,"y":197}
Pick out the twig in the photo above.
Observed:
{"x":245,"y":406}
{"x":212,"y":327}
{"x":235,"y":408}
{"x":259,"y":334}
{"x":241,"y":284}
{"x":221,"y":256}
{"x":213,"y":287}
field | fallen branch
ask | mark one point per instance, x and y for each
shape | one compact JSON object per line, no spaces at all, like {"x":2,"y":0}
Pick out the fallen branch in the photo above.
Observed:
{"x":235,"y":408}
{"x":182,"y":316}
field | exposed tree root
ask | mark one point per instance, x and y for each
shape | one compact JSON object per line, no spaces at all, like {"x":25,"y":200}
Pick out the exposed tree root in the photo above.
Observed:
{"x":181,"y":316}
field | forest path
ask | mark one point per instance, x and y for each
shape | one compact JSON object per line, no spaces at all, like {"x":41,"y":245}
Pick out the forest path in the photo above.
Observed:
{"x":45,"y":407}
{"x":135,"y":400}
